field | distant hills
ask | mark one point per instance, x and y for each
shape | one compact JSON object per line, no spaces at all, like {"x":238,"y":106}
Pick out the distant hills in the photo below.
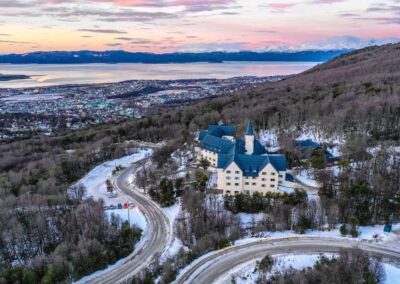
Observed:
{"x":119,"y":56}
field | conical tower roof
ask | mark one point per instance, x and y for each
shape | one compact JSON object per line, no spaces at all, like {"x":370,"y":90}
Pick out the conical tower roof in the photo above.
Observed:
{"x":249,"y":129}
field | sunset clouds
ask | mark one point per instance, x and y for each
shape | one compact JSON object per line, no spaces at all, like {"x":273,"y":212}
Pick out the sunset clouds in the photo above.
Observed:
{"x":195,"y":25}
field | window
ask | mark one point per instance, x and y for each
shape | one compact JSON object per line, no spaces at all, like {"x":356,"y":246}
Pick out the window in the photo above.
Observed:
{"x":272,"y":179}
{"x":263,"y":179}
{"x":228,"y":183}
{"x":254,"y":177}
{"x":281,"y":176}
{"x":237,"y":178}
{"x":272,"y":185}
{"x":246,"y":183}
{"x":237,"y":172}
{"x":228,"y":178}
{"x":228,"y":192}
{"x":228,"y":172}
{"x":253,"y":183}
{"x":236,"y":184}
{"x":263,"y":185}
{"x":272,"y":174}
{"x":264,"y":173}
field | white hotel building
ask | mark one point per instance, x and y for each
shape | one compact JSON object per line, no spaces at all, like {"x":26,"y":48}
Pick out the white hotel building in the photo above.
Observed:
{"x":242,"y":165}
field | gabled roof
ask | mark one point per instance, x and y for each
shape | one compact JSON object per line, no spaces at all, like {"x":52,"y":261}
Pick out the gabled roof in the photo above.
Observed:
{"x":235,"y":151}
{"x":221,"y":130}
{"x":307,"y":144}
{"x":258,"y":148}
{"x":216,"y":144}
{"x":251,"y":165}
{"x":249,"y":129}
{"x":279,"y":162}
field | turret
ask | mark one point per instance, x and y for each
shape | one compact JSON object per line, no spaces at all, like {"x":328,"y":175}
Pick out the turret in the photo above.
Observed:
{"x":249,"y":138}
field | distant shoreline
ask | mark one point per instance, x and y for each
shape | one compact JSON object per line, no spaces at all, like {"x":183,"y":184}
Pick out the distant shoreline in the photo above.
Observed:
{"x":4,"y":77}
{"x":120,"y":56}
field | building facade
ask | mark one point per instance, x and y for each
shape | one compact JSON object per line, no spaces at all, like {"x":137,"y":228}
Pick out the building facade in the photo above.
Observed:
{"x":242,"y":165}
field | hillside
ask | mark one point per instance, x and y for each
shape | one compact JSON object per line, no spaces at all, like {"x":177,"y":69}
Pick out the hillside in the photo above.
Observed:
{"x":357,"y":92}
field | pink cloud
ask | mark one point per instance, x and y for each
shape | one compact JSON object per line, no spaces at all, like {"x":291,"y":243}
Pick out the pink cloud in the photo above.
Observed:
{"x":280,"y":7}
{"x":166,"y":3}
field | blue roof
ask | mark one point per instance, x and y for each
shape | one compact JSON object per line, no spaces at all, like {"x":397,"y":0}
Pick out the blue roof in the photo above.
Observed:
{"x":258,"y":148}
{"x":279,"y":162}
{"x":307,"y":144}
{"x":234,"y":151}
{"x":249,"y":129}
{"x":289,"y":177}
{"x":216,"y":144}
{"x":221,"y":130}
{"x":251,"y":165}
{"x":202,"y":134}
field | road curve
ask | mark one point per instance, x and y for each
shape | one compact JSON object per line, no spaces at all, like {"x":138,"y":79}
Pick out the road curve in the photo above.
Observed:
{"x":157,"y":235}
{"x":212,"y":267}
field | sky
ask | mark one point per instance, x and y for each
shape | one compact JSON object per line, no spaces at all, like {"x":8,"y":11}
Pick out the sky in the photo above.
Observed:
{"x":163,"y":26}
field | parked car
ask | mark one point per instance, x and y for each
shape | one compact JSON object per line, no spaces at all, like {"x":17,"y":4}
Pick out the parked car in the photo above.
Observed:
{"x":126,"y":205}
{"x":112,"y":207}
{"x":106,"y":207}
{"x":119,"y":206}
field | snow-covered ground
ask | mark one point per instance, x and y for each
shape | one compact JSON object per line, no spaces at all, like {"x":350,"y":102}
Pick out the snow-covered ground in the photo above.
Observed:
{"x":176,"y":244}
{"x":269,"y":138}
{"x":367,"y":233}
{"x":247,"y":274}
{"x":307,"y":177}
{"x":95,"y":180}
{"x":319,"y":137}
{"x":212,"y":181}
{"x":133,"y":214}
{"x":95,"y":184}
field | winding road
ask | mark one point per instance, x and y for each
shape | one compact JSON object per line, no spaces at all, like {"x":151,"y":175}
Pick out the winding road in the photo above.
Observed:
{"x":210,"y":268}
{"x":157,"y":235}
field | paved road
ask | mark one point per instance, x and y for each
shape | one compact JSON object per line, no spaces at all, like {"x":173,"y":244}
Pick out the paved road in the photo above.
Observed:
{"x":217,"y":264}
{"x":156,"y":237}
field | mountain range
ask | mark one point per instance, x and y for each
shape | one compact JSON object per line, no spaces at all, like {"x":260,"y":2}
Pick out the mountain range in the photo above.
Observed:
{"x":120,"y":56}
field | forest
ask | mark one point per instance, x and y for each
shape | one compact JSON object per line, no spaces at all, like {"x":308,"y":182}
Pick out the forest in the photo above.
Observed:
{"x":355,"y":95}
